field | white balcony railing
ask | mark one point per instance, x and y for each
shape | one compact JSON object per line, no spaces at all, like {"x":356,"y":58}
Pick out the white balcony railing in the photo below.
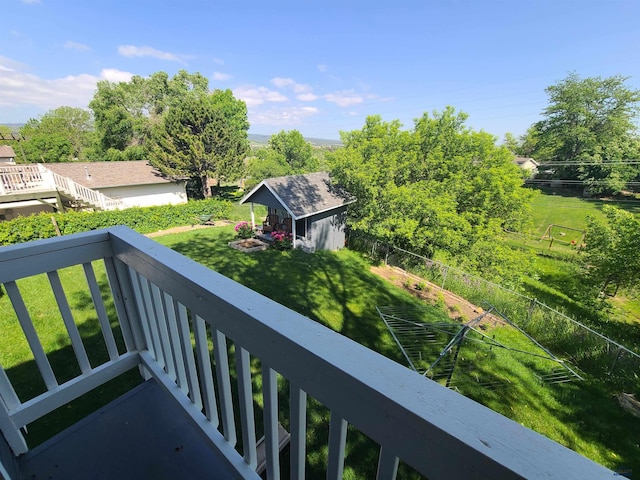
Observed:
{"x":164,"y":301}
{"x":37,"y":178}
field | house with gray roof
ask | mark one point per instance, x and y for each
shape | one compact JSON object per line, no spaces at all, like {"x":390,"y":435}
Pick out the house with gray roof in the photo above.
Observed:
{"x":316,"y":207}
{"x":135,"y":183}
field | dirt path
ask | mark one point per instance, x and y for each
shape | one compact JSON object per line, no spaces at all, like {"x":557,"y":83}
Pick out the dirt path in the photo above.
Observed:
{"x":188,"y":228}
{"x":457,"y":307}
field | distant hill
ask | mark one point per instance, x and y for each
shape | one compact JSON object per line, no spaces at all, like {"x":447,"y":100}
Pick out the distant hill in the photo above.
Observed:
{"x":319,"y":142}
{"x":253,"y":138}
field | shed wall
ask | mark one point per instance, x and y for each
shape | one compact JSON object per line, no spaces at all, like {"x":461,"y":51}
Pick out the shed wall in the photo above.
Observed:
{"x":326,"y":230}
{"x":264,"y":197}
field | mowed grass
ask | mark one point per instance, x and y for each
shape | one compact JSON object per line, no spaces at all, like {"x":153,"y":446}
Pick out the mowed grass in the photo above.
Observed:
{"x":555,"y":278}
{"x":336,"y":289}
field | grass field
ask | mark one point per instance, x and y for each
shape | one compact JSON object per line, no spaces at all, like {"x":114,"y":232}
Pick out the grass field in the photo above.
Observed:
{"x":555,"y":279}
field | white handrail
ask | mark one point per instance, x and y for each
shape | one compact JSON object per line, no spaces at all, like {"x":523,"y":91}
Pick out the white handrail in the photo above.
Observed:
{"x":93,"y":197}
{"x":31,"y":178}
{"x":164,"y":300}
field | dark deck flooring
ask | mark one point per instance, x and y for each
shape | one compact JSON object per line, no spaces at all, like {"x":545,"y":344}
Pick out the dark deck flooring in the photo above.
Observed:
{"x":144,"y":434}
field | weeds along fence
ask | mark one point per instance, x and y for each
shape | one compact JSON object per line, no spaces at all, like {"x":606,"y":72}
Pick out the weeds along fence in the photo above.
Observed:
{"x":566,"y":337}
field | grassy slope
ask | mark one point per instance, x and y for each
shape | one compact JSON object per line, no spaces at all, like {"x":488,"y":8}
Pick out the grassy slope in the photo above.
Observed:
{"x":336,"y":290}
{"x":555,"y":279}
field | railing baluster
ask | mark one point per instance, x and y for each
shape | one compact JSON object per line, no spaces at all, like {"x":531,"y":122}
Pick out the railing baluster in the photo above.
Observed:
{"x":245,"y":394}
{"x":11,"y":433}
{"x":161,"y":322}
{"x":206,"y":374}
{"x":337,"y":442}
{"x":224,"y":385}
{"x":7,"y":393}
{"x":32,"y":337}
{"x":145,"y":287}
{"x":176,"y":344}
{"x":187,"y":350}
{"x":69,"y":322}
{"x":387,"y":465}
{"x":120,"y":288}
{"x":103,"y":318}
{"x":298,"y":421}
{"x":142,"y":310}
{"x":270,"y":398}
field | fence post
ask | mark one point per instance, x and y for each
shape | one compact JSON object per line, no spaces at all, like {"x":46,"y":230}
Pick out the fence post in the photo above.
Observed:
{"x":444,"y":277}
{"x":615,"y":360}
{"x":532,"y":305}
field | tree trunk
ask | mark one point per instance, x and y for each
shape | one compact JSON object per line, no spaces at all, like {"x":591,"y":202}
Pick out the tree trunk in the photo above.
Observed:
{"x":204,"y":185}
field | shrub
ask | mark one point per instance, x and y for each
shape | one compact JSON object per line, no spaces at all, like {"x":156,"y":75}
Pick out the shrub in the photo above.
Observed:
{"x":244,"y":230}
{"x":282,"y":240}
{"x":141,"y":219}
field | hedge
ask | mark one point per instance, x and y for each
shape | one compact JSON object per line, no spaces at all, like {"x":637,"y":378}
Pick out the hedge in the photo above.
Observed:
{"x":141,"y":219}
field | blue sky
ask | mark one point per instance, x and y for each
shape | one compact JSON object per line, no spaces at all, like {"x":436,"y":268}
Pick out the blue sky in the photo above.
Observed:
{"x":321,"y":67}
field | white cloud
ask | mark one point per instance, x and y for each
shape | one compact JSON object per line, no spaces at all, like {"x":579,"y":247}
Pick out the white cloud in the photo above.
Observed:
{"x":29,"y":2}
{"x":287,"y":116}
{"x":322,"y":68}
{"x":257,"y":95}
{"x":302,"y":90}
{"x":282,"y":82}
{"x":114,"y":75}
{"x":221,"y":77}
{"x":344,"y":99}
{"x":307,"y":97}
{"x":144,"y":51}
{"x":20,"y":89}
{"x":76,"y":46}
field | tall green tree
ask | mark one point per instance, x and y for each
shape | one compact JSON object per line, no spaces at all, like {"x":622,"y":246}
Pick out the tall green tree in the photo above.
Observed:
{"x":64,"y":134}
{"x":200,"y":138}
{"x":125,"y":112}
{"x":438,"y":189}
{"x":287,"y":153}
{"x":611,"y":254}
{"x":590,"y":122}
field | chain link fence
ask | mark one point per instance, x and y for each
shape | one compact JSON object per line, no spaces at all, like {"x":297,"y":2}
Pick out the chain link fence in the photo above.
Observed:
{"x":589,"y":350}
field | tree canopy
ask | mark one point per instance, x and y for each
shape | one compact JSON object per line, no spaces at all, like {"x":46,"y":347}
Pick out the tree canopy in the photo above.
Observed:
{"x":125,"y":112}
{"x":440,"y":188}
{"x":589,"y":124}
{"x":64,"y":134}
{"x":205,"y":135}
{"x":611,"y":254}
{"x":287,"y":153}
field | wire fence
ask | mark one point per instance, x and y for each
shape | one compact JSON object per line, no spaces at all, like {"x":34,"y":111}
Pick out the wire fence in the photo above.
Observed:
{"x":589,"y":350}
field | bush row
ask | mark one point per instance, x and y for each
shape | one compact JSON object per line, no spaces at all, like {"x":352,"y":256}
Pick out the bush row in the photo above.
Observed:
{"x":141,"y":219}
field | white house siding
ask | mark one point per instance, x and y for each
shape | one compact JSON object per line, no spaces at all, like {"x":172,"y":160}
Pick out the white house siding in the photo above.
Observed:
{"x":148,"y":195}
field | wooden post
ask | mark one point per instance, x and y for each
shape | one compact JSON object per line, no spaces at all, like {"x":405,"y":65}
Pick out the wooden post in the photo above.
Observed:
{"x":55,"y":225}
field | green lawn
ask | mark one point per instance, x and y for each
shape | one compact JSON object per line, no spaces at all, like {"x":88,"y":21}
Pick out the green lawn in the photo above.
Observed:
{"x":560,"y":209}
{"x":337,"y":290}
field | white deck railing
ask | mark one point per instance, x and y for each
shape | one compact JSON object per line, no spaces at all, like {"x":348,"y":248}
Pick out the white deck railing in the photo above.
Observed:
{"x":165,"y":301}
{"x":19,"y":178}
{"x":36,"y":178}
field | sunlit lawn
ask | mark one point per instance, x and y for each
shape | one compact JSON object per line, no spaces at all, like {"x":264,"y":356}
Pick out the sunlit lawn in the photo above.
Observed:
{"x":337,"y":290}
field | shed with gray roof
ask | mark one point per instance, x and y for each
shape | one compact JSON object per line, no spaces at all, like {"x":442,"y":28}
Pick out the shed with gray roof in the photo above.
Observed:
{"x":316,"y":206}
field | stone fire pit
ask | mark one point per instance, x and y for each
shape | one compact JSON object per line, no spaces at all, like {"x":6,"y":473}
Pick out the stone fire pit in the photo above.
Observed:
{"x":249,"y":245}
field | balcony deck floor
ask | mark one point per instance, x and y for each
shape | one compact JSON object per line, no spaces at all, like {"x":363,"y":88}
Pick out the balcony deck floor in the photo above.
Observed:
{"x":142,"y":435}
